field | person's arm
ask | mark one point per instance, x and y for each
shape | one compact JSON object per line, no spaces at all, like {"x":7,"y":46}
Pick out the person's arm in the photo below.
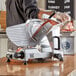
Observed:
{"x":30,"y":9}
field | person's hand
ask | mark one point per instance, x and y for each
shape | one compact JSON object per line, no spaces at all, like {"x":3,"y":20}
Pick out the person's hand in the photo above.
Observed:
{"x":69,"y":26}
{"x":62,"y":17}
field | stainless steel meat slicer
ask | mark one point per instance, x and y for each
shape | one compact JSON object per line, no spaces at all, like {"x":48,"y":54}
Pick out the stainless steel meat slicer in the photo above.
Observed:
{"x":33,"y":40}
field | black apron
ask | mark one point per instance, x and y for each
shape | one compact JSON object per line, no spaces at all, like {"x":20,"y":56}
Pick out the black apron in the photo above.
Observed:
{"x":18,"y":11}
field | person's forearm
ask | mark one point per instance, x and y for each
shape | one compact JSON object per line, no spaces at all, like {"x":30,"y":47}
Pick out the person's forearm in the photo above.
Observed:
{"x":30,"y":9}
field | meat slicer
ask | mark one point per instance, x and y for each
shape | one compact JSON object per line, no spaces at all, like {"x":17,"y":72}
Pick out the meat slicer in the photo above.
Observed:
{"x":33,"y":40}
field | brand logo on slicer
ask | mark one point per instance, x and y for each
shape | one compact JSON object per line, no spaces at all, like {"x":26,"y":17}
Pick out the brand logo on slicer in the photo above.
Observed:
{"x":66,"y":45}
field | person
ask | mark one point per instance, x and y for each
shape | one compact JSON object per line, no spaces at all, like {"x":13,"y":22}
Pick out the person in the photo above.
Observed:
{"x":19,"y":11}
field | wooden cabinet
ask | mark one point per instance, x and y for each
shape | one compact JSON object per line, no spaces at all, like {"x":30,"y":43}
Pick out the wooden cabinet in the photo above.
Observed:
{"x":3,"y":19}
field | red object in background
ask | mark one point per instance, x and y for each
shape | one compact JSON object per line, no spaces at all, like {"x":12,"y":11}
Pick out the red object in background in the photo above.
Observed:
{"x":68,"y":27}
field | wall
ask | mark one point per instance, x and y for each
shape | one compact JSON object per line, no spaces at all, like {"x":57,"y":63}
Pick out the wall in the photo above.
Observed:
{"x":3,"y":46}
{"x":41,"y":4}
{"x":75,"y":8}
{"x":2,"y":5}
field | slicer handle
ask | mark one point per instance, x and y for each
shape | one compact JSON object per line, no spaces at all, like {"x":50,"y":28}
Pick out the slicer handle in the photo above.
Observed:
{"x":58,"y":43}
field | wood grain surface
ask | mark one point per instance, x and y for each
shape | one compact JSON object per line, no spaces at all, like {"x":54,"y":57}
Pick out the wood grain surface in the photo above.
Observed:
{"x":48,"y":68}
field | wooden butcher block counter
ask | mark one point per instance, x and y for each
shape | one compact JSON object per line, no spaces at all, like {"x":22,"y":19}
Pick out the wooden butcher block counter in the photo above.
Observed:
{"x":48,"y":68}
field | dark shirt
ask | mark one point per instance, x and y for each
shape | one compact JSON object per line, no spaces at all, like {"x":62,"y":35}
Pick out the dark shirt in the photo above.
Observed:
{"x":18,"y":11}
